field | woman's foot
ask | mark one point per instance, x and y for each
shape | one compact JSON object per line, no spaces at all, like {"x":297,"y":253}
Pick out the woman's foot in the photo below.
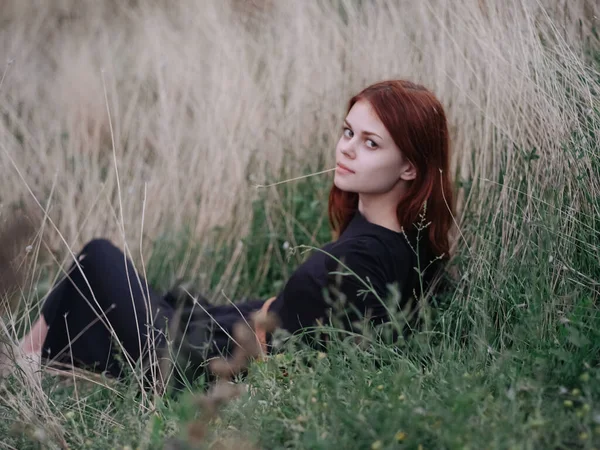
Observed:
{"x":26,"y":355}
{"x":13,"y":357}
{"x":32,"y":342}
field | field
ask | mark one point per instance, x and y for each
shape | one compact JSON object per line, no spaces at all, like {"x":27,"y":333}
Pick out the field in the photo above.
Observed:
{"x":152,"y":123}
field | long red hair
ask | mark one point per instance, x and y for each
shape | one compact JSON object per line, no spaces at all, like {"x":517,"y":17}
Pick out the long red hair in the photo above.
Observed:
{"x":415,"y":119}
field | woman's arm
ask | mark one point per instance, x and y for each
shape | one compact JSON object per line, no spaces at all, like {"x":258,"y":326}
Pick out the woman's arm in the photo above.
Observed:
{"x":359,"y":291}
{"x":357,"y":284}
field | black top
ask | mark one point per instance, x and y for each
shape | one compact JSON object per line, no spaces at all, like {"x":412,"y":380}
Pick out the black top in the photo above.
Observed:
{"x":373,"y":253}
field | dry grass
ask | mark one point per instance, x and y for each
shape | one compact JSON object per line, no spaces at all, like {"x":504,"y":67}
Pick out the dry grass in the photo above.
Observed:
{"x":201,"y":105}
{"x":208,"y":98}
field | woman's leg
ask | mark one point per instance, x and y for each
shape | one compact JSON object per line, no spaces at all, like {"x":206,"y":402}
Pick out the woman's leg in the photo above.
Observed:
{"x":207,"y":335}
{"x":100,"y":310}
{"x":31,"y":344}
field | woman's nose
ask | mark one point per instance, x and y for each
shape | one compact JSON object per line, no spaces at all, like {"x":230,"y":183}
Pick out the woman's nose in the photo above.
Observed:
{"x":347,"y":149}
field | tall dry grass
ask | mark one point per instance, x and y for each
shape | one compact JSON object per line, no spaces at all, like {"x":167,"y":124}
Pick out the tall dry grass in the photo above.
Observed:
{"x":203,"y":100}
{"x":208,"y":98}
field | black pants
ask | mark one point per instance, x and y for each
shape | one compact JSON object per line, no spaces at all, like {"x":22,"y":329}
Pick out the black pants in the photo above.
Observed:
{"x":125,"y":316}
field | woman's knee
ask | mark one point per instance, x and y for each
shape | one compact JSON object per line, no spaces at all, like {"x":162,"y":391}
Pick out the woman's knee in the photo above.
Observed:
{"x":98,"y":255}
{"x":97,"y":244}
{"x":98,"y":248}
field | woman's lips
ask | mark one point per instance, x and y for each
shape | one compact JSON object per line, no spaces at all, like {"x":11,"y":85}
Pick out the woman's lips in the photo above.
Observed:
{"x":343,"y":169}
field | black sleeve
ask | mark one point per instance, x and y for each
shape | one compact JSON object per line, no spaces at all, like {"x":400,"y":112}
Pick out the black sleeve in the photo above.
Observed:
{"x":307,"y":300}
{"x":358,"y":283}
{"x":300,"y":304}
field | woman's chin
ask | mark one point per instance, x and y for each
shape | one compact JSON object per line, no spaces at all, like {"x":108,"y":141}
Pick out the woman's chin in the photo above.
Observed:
{"x":342,"y":186}
{"x":338,"y":184}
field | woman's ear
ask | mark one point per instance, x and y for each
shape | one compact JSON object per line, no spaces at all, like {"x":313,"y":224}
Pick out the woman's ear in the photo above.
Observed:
{"x":409,"y":171}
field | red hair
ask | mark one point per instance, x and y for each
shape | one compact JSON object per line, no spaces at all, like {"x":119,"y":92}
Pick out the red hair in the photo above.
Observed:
{"x":415,"y":119}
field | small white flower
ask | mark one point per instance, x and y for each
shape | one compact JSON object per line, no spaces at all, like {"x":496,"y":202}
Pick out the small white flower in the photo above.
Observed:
{"x":40,"y":435}
{"x":511,"y":394}
{"x":286,"y":245}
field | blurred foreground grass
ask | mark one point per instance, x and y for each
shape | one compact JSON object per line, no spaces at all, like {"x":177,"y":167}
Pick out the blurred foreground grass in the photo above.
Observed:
{"x":510,"y":359}
{"x":514,"y":367}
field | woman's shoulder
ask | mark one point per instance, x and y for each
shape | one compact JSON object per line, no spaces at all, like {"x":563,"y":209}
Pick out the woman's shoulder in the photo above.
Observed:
{"x":364,"y":236}
{"x":378,"y":248}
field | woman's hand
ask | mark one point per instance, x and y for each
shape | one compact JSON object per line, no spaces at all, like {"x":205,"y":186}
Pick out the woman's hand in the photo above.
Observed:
{"x":261,"y":318}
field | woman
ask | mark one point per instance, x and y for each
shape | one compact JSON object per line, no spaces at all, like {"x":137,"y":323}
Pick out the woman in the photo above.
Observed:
{"x":390,"y":206}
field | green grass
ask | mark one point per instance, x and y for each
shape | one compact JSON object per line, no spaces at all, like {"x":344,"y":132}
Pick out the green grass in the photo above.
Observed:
{"x":511,"y":360}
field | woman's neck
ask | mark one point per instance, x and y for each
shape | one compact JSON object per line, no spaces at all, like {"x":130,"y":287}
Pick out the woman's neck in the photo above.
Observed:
{"x":380,"y":211}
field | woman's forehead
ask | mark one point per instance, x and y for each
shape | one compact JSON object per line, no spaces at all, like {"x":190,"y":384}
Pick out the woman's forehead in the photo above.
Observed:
{"x":363,"y":116}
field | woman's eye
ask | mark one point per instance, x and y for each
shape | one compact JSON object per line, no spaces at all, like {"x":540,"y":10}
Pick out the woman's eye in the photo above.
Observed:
{"x":348,"y":132}
{"x":371,"y":144}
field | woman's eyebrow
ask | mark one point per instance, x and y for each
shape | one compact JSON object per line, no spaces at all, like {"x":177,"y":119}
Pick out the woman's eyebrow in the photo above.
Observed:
{"x":369,"y":133}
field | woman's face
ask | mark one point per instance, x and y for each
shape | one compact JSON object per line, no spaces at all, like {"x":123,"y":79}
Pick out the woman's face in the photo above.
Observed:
{"x":368,"y":160}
